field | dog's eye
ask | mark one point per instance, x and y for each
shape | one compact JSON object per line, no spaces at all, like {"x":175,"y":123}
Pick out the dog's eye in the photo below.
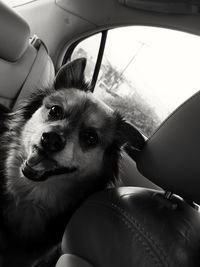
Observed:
{"x":56,"y":112}
{"x":89,"y":138}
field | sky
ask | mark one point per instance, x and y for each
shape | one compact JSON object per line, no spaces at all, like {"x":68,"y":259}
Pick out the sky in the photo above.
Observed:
{"x":163,"y":65}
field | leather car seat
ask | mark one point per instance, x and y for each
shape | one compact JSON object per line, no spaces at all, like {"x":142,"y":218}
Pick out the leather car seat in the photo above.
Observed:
{"x":131,"y":226}
{"x":24,"y":61}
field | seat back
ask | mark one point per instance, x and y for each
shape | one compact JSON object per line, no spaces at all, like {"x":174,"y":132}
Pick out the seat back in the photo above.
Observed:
{"x":170,"y":158}
{"x":24,"y":63}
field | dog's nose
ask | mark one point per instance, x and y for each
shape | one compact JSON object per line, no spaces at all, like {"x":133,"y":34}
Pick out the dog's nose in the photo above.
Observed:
{"x":52,"y":141}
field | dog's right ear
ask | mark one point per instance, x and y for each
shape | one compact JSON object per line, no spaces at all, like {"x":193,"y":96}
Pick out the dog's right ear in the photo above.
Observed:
{"x":71,"y":75}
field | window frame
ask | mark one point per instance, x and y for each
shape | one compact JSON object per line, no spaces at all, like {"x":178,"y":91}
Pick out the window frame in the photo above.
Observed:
{"x":100,"y":54}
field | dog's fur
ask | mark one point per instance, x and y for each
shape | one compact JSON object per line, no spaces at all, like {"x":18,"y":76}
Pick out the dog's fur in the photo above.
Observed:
{"x":38,"y":199}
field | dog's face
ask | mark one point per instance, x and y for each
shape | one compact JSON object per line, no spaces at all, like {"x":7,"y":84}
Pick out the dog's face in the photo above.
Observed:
{"x":69,"y":133}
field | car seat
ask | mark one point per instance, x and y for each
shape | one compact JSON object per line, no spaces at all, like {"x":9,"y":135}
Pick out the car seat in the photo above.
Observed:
{"x":24,"y":61}
{"x":131,"y":226}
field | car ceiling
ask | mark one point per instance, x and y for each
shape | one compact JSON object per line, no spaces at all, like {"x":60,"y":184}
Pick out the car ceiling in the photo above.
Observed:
{"x":60,"y":22}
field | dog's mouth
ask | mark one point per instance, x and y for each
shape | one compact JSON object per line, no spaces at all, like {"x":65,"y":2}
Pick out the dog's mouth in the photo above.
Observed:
{"x":39,"y":167}
{"x":36,"y":175}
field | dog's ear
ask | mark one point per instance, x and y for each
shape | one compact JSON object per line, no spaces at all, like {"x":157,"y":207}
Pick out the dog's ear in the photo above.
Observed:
{"x":130,"y":138}
{"x":71,"y":75}
{"x":131,"y":135}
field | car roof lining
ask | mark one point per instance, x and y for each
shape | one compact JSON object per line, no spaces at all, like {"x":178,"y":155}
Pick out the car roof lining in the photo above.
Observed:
{"x":164,"y":6}
{"x":85,"y":21}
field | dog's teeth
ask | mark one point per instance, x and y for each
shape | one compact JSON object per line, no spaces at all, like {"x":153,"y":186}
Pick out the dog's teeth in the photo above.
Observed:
{"x":34,"y":159}
{"x":30,"y":173}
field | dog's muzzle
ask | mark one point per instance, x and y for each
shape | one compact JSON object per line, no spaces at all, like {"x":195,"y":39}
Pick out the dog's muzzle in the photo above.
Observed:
{"x":40,"y":167}
{"x":36,"y":164}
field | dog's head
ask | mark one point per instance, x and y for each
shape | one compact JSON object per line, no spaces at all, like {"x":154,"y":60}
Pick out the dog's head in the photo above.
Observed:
{"x":71,"y":133}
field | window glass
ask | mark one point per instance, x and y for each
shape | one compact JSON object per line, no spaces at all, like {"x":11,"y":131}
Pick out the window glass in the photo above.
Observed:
{"x":148,"y":72}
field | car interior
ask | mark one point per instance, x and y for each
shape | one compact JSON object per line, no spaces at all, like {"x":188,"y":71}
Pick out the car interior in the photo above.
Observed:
{"x":152,"y":218}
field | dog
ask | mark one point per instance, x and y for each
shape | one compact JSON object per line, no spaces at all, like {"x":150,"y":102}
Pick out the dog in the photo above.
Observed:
{"x":59,"y":147}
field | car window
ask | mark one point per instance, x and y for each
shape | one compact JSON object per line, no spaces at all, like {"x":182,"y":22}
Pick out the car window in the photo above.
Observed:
{"x":146,"y":72}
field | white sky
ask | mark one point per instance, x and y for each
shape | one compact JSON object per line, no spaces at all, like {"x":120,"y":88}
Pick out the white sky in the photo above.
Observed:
{"x":165,"y":70}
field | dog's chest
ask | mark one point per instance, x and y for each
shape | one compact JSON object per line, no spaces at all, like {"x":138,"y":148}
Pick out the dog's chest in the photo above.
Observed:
{"x":33,"y":213}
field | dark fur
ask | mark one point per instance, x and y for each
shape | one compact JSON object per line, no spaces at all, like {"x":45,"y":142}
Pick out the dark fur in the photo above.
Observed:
{"x":19,"y":210}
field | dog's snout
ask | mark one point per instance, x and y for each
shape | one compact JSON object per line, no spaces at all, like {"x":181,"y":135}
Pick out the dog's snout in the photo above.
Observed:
{"x":52,"y":141}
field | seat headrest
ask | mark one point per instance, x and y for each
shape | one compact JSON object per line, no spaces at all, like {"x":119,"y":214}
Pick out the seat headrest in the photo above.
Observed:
{"x":171,"y":157}
{"x":14,"y":34}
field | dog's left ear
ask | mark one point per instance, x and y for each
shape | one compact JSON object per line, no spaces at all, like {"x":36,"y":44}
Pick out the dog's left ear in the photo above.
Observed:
{"x":131,"y":138}
{"x":71,"y":75}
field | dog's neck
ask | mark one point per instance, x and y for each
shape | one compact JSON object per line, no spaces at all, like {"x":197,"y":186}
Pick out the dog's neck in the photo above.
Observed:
{"x":52,"y":195}
{"x":32,"y":206}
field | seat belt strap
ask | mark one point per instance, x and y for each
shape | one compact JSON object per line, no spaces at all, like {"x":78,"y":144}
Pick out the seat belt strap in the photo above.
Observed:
{"x":35,"y":78}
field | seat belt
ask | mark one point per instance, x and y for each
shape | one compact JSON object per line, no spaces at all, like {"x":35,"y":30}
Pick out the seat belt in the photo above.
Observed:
{"x":41,"y":74}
